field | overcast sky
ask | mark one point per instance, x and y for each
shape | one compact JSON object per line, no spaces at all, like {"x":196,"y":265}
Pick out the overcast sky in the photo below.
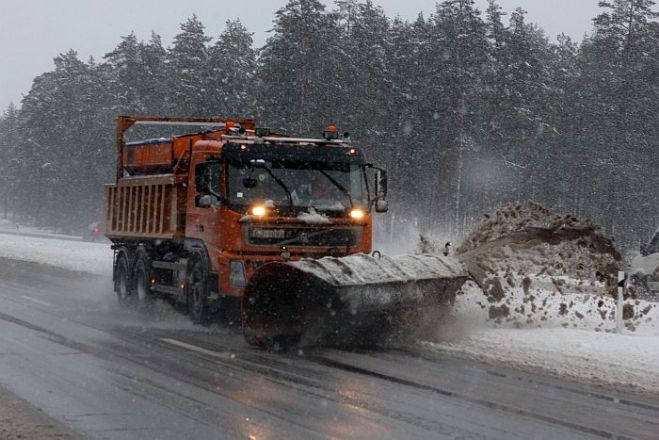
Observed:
{"x":33,"y":32}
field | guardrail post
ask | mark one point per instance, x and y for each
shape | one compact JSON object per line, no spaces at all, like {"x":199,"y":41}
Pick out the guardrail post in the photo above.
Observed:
{"x":622,"y":280}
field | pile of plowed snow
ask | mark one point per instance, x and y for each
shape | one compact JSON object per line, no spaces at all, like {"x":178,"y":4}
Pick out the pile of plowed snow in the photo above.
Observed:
{"x":543,"y":297}
{"x":534,"y":266}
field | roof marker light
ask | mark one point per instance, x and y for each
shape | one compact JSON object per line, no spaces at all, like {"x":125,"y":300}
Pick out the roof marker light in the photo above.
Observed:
{"x":331,"y":133}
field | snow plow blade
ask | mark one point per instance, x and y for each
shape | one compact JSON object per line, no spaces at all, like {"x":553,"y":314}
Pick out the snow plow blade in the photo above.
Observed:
{"x":346,"y":301}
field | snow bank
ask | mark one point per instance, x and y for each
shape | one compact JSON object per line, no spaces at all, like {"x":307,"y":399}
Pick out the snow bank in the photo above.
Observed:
{"x":533,"y":265}
{"x":95,"y":258}
{"x":543,"y":298}
{"x":9,"y":227}
{"x":576,"y":341}
{"x":625,"y":361}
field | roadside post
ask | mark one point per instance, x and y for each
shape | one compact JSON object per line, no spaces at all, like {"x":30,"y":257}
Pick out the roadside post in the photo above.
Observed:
{"x":622,"y":281}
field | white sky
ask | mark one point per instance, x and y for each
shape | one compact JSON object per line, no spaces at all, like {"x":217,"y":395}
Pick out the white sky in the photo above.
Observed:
{"x":33,"y":32}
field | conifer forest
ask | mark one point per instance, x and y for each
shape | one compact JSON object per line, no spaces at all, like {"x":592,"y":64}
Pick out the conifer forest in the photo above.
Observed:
{"x":468,"y":110}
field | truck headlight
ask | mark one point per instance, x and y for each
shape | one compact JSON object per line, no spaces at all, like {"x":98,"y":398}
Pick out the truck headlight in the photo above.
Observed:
{"x":357,"y":214}
{"x":259,"y":210}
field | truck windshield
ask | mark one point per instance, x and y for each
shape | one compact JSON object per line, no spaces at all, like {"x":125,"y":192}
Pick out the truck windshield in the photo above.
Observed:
{"x":323,"y":186}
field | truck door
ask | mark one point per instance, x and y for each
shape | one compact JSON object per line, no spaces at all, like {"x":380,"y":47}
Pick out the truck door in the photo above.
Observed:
{"x":206,"y":198}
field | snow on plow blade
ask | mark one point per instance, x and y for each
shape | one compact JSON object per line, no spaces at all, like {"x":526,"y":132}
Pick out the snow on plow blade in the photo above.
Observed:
{"x":349,"y":300}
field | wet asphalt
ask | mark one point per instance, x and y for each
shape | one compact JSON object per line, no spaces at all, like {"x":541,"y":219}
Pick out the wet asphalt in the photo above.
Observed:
{"x":110,"y":373}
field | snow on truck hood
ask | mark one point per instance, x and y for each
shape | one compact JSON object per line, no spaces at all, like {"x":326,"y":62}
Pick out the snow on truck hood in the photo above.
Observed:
{"x":314,"y":217}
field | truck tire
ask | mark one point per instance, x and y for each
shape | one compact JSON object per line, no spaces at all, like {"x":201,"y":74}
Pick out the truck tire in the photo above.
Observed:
{"x":252,"y":339}
{"x":123,"y":285}
{"x":142,"y":277}
{"x":197,"y":289}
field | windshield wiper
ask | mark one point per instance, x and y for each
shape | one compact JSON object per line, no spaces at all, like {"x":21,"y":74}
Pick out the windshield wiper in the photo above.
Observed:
{"x":339,"y":186}
{"x":277,"y":179}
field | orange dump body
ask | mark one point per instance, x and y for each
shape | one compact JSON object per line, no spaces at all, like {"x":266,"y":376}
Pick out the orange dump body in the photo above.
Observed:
{"x":149,"y":199}
{"x":146,"y":206}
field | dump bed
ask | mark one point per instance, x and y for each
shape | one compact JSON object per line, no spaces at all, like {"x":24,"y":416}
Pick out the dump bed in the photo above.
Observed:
{"x":145,"y":207}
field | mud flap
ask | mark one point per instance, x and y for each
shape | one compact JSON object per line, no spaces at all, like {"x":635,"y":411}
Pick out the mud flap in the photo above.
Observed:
{"x":349,"y":300}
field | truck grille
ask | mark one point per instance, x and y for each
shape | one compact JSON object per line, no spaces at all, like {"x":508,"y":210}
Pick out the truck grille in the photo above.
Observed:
{"x":303,"y":236}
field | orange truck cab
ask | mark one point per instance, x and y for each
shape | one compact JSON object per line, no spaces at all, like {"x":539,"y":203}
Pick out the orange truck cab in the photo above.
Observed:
{"x":194,"y":216}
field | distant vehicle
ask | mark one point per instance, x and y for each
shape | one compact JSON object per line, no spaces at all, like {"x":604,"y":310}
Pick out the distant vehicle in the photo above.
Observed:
{"x":645,"y":267}
{"x":93,"y":232}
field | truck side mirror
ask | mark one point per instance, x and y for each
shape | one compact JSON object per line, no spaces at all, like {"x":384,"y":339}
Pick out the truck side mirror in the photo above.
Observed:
{"x":380,"y":195}
{"x":380,"y":184}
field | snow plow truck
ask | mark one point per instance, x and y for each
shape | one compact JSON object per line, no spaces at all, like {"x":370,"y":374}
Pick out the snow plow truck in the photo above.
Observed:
{"x":281,"y":225}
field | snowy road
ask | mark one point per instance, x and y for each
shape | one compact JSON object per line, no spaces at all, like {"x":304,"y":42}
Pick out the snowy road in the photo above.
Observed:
{"x":109,"y":373}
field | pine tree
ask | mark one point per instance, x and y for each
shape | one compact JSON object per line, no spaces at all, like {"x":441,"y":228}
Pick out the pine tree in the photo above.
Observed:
{"x":527,"y":95}
{"x":565,"y":190}
{"x":623,"y":93}
{"x":153,"y":90}
{"x":9,"y":144}
{"x":232,"y":73}
{"x":494,"y":91}
{"x":293,"y":72}
{"x":64,"y":154}
{"x":187,"y":61}
{"x":364,"y":70}
{"x":460,"y":40}
{"x":128,"y":75}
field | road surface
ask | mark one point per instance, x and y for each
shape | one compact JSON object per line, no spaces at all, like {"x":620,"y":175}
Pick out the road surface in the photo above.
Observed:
{"x":111,"y":373}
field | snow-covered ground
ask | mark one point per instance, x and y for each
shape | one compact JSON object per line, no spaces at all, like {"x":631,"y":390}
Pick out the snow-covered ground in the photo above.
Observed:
{"x":9,"y":227}
{"x":573,"y":340}
{"x":95,"y":258}
{"x":626,"y":361}
{"x":576,"y":340}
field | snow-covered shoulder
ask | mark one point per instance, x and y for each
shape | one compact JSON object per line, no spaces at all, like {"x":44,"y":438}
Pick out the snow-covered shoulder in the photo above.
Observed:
{"x":567,"y":334}
{"x":94,"y":258}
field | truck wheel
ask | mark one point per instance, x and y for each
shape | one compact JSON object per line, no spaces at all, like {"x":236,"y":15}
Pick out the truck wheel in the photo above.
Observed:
{"x":252,"y":339}
{"x":123,"y":282}
{"x":197,"y":290}
{"x":143,"y":281}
